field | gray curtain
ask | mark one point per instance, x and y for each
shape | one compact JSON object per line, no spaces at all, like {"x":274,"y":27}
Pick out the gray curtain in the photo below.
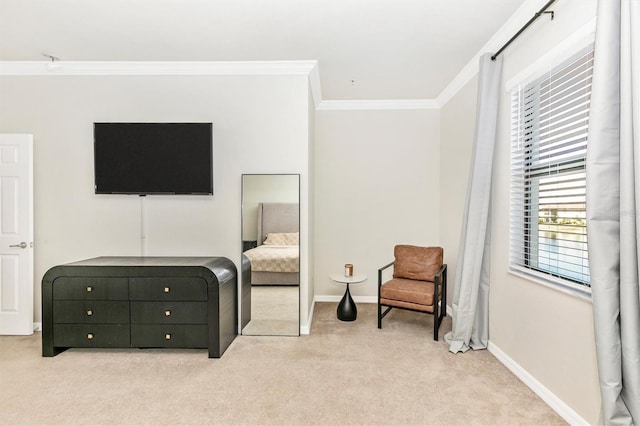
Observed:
{"x":613,"y":195}
{"x":470,"y":305}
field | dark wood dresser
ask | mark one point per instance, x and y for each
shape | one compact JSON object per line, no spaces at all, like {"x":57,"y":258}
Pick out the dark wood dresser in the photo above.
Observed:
{"x":140,"y":302}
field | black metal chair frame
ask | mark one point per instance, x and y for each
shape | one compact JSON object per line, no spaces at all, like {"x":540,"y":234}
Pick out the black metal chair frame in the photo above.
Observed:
{"x":439,"y":309}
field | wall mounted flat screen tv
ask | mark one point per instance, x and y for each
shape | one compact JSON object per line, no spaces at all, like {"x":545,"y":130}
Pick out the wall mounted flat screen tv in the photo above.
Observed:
{"x":153,"y":158}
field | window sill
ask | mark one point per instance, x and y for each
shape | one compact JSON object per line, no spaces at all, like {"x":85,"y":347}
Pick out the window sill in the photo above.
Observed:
{"x":549,"y":282}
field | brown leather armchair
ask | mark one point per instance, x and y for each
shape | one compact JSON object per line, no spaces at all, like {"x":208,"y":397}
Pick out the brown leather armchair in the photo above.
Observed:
{"x":419,"y":283}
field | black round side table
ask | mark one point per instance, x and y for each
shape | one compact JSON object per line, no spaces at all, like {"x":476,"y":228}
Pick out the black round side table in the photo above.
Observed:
{"x":347,"y":310}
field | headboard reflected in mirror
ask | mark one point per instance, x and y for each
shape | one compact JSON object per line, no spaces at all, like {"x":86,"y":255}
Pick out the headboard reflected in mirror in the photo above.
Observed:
{"x":277,"y":218}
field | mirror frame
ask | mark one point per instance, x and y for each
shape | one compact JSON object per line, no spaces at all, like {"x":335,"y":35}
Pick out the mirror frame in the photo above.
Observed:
{"x":245,"y":275}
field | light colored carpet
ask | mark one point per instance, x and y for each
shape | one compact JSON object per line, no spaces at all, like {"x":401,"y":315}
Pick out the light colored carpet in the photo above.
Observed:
{"x":343,"y":373}
{"x":274,"y":311}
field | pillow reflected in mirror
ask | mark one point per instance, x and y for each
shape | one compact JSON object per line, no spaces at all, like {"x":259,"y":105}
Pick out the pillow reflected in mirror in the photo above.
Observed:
{"x":282,"y":239}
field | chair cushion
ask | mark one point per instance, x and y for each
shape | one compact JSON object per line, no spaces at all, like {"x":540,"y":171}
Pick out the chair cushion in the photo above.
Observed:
{"x":417,"y":263}
{"x":408,"y":291}
{"x":406,"y":305}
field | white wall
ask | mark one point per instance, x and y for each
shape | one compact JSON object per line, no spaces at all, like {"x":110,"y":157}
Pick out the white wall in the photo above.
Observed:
{"x":377,"y":185}
{"x":260,"y":126}
{"x":547,"y":333}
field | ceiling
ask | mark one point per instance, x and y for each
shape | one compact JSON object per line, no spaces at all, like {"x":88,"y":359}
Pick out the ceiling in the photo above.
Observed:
{"x":366,"y":49}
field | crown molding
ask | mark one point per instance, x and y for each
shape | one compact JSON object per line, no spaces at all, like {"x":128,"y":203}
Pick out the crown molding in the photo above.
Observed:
{"x":390,"y":104}
{"x":104,"y":68}
{"x":314,"y":84}
{"x":119,"y":68}
{"x":513,"y":24}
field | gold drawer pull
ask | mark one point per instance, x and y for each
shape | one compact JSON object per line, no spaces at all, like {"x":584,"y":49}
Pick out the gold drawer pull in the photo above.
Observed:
{"x":89,"y":289}
{"x":167,"y":289}
{"x":167,"y":336}
{"x":167,"y":313}
{"x":89,"y":312}
{"x":90,"y":336}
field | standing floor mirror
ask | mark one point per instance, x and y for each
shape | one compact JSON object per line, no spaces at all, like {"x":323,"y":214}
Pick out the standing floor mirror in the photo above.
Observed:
{"x":271,"y":246}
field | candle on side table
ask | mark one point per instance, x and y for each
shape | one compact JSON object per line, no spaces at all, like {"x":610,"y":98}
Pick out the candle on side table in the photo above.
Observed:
{"x":348,"y":270}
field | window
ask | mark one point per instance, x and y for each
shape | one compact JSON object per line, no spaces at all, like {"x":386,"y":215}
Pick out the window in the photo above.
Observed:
{"x":550,"y":121}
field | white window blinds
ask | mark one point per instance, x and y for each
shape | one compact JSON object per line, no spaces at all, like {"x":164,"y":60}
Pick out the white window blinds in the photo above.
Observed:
{"x":550,"y":121}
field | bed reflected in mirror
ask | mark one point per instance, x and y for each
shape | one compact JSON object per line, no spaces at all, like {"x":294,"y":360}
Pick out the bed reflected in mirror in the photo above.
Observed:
{"x":270,"y":245}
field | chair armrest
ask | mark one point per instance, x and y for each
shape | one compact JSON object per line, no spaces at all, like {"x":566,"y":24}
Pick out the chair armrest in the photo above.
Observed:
{"x":380,"y":272}
{"x":441,"y":276}
{"x":386,"y":266}
{"x":441,"y":270}
{"x":440,"y":280}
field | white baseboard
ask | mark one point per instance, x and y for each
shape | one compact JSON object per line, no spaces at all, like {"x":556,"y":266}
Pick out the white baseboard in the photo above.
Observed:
{"x":37,"y":326}
{"x":306,"y":328}
{"x":542,"y":391}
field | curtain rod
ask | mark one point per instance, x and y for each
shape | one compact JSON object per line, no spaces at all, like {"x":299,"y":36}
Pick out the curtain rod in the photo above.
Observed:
{"x":536,"y":16}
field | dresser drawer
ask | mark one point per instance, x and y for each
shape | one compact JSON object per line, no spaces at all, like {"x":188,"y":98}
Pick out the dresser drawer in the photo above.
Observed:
{"x":90,"y":288}
{"x":168,"y":289}
{"x":91,"y":335}
{"x":169,"y":336}
{"x":168,"y":312}
{"x":90,"y":312}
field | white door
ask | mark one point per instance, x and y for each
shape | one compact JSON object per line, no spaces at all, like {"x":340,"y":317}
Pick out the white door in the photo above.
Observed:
{"x":16,"y":234}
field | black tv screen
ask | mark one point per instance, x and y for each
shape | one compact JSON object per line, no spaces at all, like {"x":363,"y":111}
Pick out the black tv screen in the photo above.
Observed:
{"x":153,"y":158}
